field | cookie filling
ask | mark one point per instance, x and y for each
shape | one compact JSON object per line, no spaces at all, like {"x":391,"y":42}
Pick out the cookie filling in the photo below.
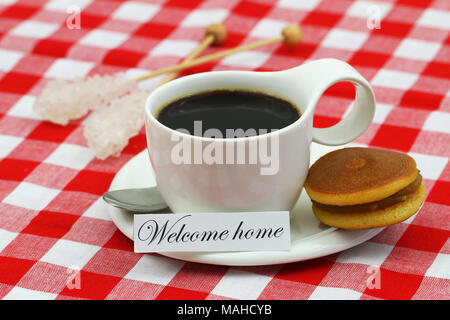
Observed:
{"x":397,"y":197}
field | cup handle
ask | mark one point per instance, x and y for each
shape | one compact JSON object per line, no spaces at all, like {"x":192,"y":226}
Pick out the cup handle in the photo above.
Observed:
{"x":323,"y":74}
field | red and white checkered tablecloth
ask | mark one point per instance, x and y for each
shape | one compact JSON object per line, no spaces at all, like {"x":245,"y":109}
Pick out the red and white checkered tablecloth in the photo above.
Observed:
{"x":52,"y":217}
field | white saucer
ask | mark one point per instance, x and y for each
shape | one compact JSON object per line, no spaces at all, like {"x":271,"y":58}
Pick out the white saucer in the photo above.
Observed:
{"x":309,"y":238}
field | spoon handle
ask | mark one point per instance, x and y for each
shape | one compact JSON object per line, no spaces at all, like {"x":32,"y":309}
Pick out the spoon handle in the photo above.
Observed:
{"x":136,"y":200}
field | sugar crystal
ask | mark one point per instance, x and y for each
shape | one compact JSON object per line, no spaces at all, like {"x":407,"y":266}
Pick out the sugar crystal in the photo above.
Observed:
{"x":62,"y":101}
{"x":108,"y":128}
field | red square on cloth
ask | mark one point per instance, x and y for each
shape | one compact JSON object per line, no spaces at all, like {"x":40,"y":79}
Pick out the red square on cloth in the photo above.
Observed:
{"x":91,"y":21}
{"x":171,"y":293}
{"x":369,"y":59}
{"x":18,"y":11}
{"x":421,"y":100}
{"x":136,"y":144}
{"x":50,"y":47}
{"x":320,"y":18}
{"x":321,"y":121}
{"x":394,"y":29}
{"x":90,"y":181}
{"x":424,"y":238}
{"x":437,"y":69}
{"x":440,"y":193}
{"x":51,"y":132}
{"x":395,"y":137}
{"x":312,"y":271}
{"x":17,"y":170}
{"x":51,"y":224}
{"x":154,"y":30}
{"x":20,"y":83}
{"x":119,"y":241}
{"x":13,"y":269}
{"x":123,"y":58}
{"x":188,"y":4}
{"x":252,"y":9}
{"x":93,"y":286}
{"x":415,"y":3}
{"x":395,"y":285}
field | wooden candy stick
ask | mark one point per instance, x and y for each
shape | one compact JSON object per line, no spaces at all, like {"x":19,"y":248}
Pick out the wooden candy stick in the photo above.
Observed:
{"x":215,"y":34}
{"x":291,"y":35}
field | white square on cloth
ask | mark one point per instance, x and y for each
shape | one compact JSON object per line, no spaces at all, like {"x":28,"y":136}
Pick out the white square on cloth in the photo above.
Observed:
{"x":241,"y":285}
{"x":8,"y":144}
{"x":62,"y":5}
{"x":68,"y":69}
{"x":71,"y":156}
{"x":104,"y":39}
{"x":381,"y":112}
{"x":204,"y":17}
{"x":250,"y":59}
{"x":31,"y":196}
{"x":430,"y":167}
{"x":155,"y":269}
{"x":98,"y":210}
{"x":440,"y":267}
{"x":5,"y":238}
{"x":8,"y":2}
{"x":363,"y":9}
{"x":394,"y":79}
{"x":24,"y":108}
{"x":368,"y":253}
{"x":8,"y":59}
{"x":438,"y":121}
{"x":298,"y":4}
{"x":178,"y":48}
{"x":70,"y":254}
{"x":136,"y":11}
{"x":325,"y":293}
{"x":417,"y":49}
{"x":268,"y":28}
{"x":344,"y":39}
{"x":435,"y":19}
{"x":34,"y":29}
{"x":18,"y":293}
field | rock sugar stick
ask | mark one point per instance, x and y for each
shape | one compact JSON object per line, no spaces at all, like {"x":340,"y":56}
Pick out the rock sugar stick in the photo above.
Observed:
{"x":61,"y":101}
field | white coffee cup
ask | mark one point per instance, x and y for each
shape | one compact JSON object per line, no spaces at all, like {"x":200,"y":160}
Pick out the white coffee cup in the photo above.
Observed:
{"x":232,"y":186}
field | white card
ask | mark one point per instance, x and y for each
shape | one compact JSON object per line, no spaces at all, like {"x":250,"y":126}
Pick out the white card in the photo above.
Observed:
{"x":229,"y":231}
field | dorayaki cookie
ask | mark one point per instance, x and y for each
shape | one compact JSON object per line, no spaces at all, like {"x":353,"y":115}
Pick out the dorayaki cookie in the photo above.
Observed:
{"x":361,"y":188}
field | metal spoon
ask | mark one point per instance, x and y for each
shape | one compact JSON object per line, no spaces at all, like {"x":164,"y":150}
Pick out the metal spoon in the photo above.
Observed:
{"x":136,"y":200}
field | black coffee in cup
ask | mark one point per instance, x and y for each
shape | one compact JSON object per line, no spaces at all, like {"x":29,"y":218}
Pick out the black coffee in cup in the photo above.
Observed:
{"x":227,"y":111}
